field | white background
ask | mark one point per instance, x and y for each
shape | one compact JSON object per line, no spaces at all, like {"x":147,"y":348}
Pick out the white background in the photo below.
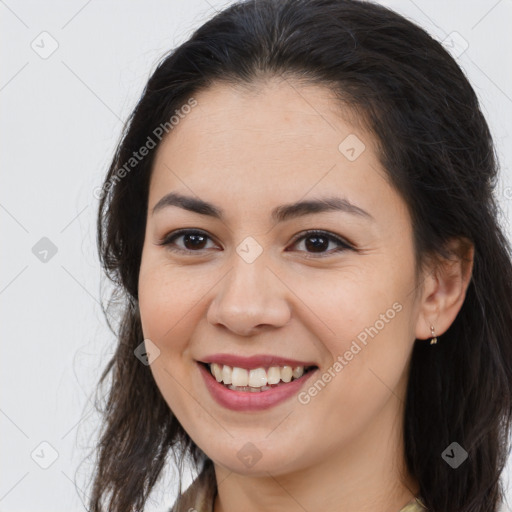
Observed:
{"x":61,"y":119}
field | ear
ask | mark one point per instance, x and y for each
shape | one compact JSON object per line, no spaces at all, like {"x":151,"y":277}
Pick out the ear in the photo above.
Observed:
{"x":445,"y":282}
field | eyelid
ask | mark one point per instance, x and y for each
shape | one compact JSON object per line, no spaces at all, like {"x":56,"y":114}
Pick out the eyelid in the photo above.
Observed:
{"x":343,"y":244}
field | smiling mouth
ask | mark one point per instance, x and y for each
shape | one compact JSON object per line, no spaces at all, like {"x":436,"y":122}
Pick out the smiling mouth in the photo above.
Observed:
{"x":256,"y":380}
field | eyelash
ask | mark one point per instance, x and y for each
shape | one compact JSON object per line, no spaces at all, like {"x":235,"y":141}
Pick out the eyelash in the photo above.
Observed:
{"x":343,"y":245}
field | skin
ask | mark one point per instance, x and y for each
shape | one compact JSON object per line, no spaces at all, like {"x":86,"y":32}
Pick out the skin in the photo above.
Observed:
{"x":248,"y":152}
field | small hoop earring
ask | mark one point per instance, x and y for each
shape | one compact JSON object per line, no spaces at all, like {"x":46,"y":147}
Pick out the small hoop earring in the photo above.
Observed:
{"x":433,"y":340}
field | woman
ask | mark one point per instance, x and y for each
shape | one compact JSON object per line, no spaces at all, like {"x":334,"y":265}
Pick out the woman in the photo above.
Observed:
{"x":300,"y":218}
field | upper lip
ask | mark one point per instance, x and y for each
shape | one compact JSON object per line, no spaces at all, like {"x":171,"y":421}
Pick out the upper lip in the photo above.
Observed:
{"x":256,"y":361}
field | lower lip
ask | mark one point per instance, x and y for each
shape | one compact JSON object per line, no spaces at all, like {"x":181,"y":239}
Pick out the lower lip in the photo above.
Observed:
{"x":251,"y":401}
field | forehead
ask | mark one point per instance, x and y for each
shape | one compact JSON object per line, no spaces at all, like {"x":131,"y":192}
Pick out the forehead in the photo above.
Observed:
{"x":269,"y":114}
{"x":259,"y":144}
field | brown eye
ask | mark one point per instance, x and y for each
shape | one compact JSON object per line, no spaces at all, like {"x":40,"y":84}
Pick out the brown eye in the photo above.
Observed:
{"x":318,"y":242}
{"x":315,"y":242}
{"x":192,"y":241}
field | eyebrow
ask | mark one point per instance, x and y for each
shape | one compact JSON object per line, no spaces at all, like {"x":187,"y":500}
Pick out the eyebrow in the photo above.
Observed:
{"x":279,"y":214}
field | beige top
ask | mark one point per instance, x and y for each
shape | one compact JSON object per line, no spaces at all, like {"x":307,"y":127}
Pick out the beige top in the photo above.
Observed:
{"x":200,"y":495}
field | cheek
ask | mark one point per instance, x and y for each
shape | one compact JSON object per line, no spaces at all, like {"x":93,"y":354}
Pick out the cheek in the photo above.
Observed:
{"x":363,"y":377}
{"x":370,"y":335}
{"x":349,"y":301}
{"x":169,"y":301}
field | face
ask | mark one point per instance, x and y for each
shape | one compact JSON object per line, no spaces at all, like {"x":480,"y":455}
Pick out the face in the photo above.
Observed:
{"x":242,"y":282}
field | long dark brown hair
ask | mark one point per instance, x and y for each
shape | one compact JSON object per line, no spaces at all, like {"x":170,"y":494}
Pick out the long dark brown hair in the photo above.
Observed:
{"x":438,"y":153}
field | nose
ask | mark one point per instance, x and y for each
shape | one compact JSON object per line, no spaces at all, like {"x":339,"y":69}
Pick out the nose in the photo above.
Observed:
{"x":249,"y":299}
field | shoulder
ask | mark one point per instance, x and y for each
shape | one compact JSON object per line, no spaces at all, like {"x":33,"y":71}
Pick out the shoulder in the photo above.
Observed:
{"x":415,"y":505}
{"x":200,"y":495}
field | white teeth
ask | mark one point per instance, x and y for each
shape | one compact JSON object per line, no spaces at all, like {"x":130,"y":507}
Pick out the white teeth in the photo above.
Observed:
{"x":274,"y":375}
{"x":298,"y":371}
{"x":217,"y":371}
{"x":240,"y":377}
{"x":286,"y":373}
{"x":257,"y":379}
{"x":226,"y":374}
